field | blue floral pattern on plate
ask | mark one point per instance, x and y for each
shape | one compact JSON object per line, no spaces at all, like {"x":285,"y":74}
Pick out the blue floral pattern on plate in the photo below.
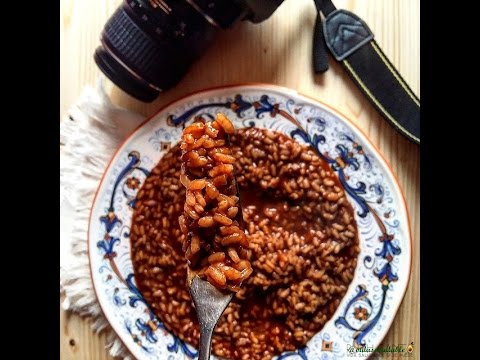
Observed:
{"x":382,"y":273}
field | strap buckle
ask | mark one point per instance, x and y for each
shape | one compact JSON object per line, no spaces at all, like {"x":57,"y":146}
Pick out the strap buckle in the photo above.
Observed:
{"x":345,"y":33}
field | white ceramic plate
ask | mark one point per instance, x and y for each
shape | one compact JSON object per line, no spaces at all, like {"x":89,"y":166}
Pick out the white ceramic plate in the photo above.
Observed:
{"x":373,"y":297}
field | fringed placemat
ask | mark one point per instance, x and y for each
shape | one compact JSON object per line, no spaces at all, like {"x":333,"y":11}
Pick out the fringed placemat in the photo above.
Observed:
{"x":89,"y":135}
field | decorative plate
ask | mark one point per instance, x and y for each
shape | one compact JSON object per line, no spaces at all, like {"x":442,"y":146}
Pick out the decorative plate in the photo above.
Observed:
{"x":381,"y":277}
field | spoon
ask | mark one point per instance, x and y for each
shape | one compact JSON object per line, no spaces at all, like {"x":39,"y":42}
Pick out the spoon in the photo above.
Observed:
{"x":210,"y":303}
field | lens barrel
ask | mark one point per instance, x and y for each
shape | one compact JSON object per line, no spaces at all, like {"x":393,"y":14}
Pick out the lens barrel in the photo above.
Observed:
{"x":146,"y":50}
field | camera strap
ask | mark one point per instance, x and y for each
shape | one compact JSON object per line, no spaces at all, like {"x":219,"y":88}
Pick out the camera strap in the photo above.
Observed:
{"x":351,"y":43}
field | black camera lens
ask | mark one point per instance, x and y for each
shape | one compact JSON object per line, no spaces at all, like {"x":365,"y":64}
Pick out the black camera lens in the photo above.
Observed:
{"x":147,"y":46}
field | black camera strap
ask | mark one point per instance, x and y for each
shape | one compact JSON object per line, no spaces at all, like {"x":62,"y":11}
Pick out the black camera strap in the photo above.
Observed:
{"x":351,"y":43}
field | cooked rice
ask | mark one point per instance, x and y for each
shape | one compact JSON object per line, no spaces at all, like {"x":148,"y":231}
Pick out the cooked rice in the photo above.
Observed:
{"x":303,"y":247}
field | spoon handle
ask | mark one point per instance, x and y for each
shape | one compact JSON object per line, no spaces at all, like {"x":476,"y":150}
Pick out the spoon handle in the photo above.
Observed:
{"x":210,"y":303}
{"x":205,"y":343}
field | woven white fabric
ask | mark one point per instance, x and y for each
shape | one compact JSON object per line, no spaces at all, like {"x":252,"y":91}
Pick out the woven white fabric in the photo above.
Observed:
{"x":90,"y":133}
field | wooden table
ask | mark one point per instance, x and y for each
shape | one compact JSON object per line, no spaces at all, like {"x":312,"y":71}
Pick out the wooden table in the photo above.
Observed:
{"x":277,"y":51}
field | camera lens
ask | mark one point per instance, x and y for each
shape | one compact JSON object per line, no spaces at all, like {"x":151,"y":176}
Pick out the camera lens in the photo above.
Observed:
{"x":147,"y":46}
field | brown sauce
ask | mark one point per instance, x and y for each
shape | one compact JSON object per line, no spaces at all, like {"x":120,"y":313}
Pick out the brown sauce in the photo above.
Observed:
{"x":303,"y":248}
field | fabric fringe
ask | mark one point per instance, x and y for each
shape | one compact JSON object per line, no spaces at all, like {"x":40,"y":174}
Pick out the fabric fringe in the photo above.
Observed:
{"x":90,"y":133}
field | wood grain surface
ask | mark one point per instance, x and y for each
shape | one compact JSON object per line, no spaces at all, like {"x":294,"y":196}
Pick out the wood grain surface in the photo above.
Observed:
{"x":277,"y":51}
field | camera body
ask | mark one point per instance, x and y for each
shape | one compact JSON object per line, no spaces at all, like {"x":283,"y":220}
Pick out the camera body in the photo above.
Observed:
{"x":148,"y":45}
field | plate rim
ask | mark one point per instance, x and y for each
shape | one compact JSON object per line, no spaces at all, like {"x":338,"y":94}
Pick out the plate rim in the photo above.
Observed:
{"x":281,"y":89}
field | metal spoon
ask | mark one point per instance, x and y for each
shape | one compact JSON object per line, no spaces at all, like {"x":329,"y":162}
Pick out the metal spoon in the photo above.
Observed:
{"x":210,"y":304}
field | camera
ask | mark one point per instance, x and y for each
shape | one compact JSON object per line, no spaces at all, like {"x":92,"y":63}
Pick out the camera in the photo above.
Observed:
{"x":147,"y":46}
